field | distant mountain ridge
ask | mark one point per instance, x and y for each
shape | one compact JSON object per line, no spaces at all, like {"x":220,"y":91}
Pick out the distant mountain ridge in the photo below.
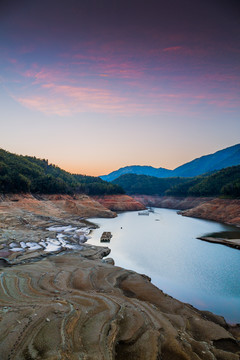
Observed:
{"x":219,"y":160}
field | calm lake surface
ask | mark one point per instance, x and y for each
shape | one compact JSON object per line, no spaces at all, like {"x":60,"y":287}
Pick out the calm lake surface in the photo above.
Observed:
{"x":164,"y":246}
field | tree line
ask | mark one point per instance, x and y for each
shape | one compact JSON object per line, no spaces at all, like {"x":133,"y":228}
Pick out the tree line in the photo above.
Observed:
{"x":29,"y":174}
{"x":225,"y":182}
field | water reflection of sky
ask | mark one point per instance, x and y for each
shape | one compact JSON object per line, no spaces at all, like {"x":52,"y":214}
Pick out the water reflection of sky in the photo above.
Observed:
{"x":203,"y":274}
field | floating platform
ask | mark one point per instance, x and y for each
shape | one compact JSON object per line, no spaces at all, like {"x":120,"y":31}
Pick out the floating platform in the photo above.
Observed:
{"x":144,"y":212}
{"x":106,"y":236}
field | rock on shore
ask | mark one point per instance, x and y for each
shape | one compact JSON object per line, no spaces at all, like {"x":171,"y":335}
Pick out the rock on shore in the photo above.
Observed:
{"x":170,"y":202}
{"x":120,"y":202}
{"x":70,"y":304}
{"x":221,"y":210}
{"x":61,"y":206}
{"x":73,"y":306}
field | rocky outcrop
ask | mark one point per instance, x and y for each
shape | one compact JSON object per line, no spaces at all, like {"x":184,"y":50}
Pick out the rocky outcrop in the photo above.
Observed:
{"x":221,"y":210}
{"x":119,"y":202}
{"x":60,"y":206}
{"x":70,"y":303}
{"x":170,"y":202}
{"x":234,"y":243}
{"x":72,"y":306}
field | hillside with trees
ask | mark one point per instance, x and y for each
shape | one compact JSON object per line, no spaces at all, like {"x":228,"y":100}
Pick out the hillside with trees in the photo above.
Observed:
{"x":225,"y":183}
{"x":147,"y":185}
{"x":29,"y":174}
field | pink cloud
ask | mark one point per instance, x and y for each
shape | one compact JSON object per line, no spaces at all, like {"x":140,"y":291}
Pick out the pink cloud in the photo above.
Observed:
{"x":13,"y":61}
{"x":45,"y":105}
{"x":172,"y":48}
{"x":66,"y":100}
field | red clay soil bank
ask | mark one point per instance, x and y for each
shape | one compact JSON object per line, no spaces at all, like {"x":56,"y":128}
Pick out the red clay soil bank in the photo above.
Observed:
{"x":61,"y":206}
{"x":171,"y":202}
{"x":221,"y":210}
{"x":119,"y":202}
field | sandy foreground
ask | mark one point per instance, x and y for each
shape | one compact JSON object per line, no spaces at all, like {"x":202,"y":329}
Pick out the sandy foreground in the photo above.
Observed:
{"x":61,"y":299}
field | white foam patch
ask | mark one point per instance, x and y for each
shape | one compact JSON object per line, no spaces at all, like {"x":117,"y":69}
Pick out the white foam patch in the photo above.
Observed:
{"x":43,"y":243}
{"x":16,"y":249}
{"x":52,"y":244}
{"x":51,"y":247}
{"x":70,"y":229}
{"x":53,"y":241}
{"x":13,"y":245}
{"x":73,"y":247}
{"x":60,"y":228}
{"x":84,"y":230}
{"x":61,"y":239}
{"x":82,"y":238}
{"x":23,"y":244}
{"x":33,"y":245}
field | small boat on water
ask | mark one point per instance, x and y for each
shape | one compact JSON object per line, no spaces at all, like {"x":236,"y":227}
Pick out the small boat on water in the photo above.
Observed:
{"x":106,"y":236}
{"x":144,"y":212}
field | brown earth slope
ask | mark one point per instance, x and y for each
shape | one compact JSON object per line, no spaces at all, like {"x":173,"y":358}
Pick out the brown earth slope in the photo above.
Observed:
{"x":120,"y":202}
{"x":72,"y":306}
{"x":69,"y":304}
{"x":61,"y":206}
{"x":221,"y":210}
{"x":170,"y":202}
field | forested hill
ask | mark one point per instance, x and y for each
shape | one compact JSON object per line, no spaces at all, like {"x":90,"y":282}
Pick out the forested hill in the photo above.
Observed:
{"x":225,"y":182}
{"x":28,"y":174}
{"x":147,"y":185}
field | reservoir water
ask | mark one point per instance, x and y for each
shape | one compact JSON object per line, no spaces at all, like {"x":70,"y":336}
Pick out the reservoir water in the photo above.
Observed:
{"x":164,"y":246}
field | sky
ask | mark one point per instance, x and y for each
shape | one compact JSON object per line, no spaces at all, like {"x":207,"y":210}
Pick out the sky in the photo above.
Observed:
{"x":94,"y":85}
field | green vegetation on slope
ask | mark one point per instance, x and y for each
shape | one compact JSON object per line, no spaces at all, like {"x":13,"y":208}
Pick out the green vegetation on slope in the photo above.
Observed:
{"x":147,"y":185}
{"x":28,"y":174}
{"x":225,"y":182}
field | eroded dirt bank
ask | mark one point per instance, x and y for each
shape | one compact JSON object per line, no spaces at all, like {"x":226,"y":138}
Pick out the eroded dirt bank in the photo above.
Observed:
{"x":120,"y":202}
{"x":170,"y":202}
{"x":60,"y":206}
{"x":73,"y":306}
{"x":65,"y":206}
{"x":221,"y":210}
{"x":60,"y":300}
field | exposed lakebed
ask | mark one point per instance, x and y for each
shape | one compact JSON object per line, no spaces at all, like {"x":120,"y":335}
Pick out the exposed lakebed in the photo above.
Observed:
{"x":164,"y":246}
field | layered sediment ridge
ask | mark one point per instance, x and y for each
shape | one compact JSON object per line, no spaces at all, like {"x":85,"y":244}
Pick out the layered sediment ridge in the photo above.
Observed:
{"x":221,"y":210}
{"x":171,"y":202}
{"x":72,"y":306}
{"x":71,"y":303}
{"x":60,"y":206}
{"x":120,"y":202}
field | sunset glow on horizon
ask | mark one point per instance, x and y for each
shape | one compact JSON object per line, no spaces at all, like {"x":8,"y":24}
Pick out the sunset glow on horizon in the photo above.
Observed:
{"x":93,"y":86}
